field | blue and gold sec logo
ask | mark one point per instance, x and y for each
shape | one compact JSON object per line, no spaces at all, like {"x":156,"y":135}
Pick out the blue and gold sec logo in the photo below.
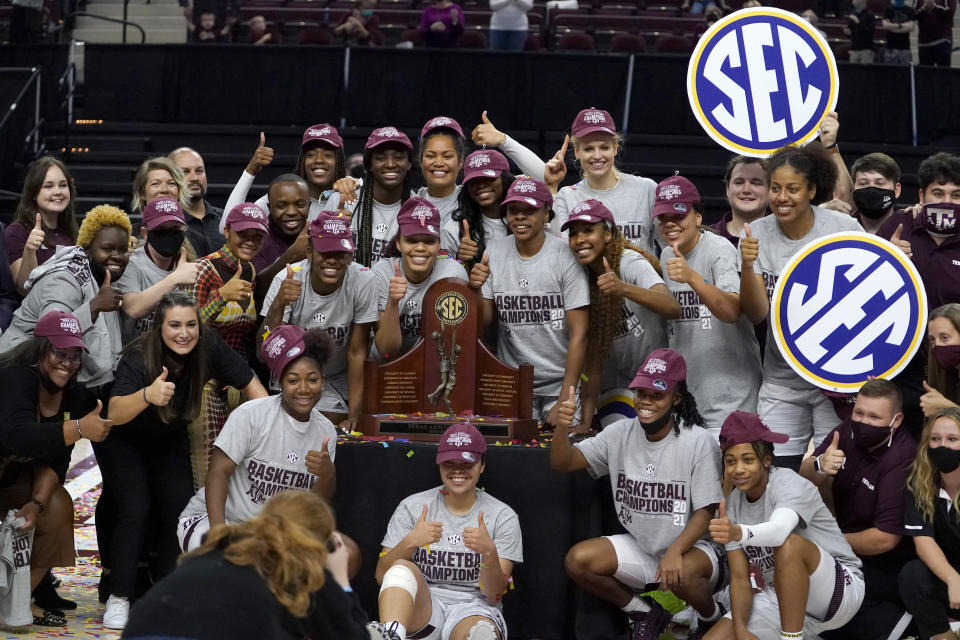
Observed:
{"x":760,"y":79}
{"x":846,"y":307}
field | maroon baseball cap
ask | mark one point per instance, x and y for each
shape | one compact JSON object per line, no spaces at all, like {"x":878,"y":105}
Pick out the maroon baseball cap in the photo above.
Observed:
{"x":742,"y":427}
{"x":663,"y":370}
{"x":593,"y":120}
{"x":589,"y":211}
{"x":62,"y":329}
{"x":461,"y":443}
{"x":418,"y":216}
{"x":330,"y":231}
{"x":162,"y":209}
{"x":385,"y":135}
{"x":529,"y":191}
{"x":247,"y":215}
{"x":441,"y":121}
{"x":322,"y":132}
{"x":283,"y":345}
{"x":675,"y":195}
{"x":486,"y":163}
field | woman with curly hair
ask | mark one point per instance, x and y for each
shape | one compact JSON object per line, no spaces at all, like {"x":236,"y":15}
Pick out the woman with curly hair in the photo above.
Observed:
{"x":287,"y":574}
{"x":80,"y":280}
{"x":665,"y":472}
{"x":930,"y":585}
{"x":800,"y":178}
{"x":628,"y":304}
{"x":44,"y":218}
{"x":479,"y":219}
{"x":711,"y":331}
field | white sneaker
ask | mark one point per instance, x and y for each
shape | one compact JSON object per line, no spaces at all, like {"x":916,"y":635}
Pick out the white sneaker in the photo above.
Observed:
{"x":117,"y":613}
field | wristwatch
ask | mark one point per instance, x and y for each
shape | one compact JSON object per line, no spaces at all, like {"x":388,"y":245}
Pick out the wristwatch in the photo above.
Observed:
{"x":816,"y":465}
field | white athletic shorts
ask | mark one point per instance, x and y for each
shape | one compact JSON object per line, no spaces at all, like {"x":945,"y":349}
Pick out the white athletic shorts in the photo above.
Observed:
{"x":191,"y":530}
{"x":802,"y":414}
{"x":449,"y":607}
{"x":638,"y":569}
{"x":836,"y":594}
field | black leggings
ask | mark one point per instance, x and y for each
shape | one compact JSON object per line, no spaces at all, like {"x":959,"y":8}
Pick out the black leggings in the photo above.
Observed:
{"x":147,"y":475}
{"x":925,"y":596}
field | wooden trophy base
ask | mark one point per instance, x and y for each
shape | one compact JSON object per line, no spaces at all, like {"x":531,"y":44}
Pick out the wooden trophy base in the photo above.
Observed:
{"x":429,"y":427}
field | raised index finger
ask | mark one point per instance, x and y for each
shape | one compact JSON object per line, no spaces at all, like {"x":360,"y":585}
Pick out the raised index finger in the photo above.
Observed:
{"x":563,"y":150}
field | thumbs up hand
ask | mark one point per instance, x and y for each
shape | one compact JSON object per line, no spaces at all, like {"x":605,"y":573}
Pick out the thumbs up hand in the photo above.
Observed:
{"x":831,"y":460}
{"x":290,"y":288}
{"x":487,"y":135}
{"x":900,"y":243}
{"x":36,"y":237}
{"x":160,"y":391}
{"x":678,"y":269}
{"x":398,"y":283}
{"x":186,"y":272}
{"x":556,"y":168}
{"x":749,"y":249}
{"x":480,"y":271}
{"x":467,"y":250}
{"x":566,"y":412}
{"x":608,"y":282}
{"x":236,"y":289}
{"x":722,"y":530}
{"x":478,"y":538}
{"x":108,"y":298}
{"x":93,"y":427}
{"x":262,"y":157}
{"x":932,"y":400}
{"x":830,"y":126}
{"x":319,"y":463}
{"x":425,"y":532}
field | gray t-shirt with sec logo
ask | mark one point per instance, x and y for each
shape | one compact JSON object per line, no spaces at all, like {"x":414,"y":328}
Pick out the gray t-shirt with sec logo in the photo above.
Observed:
{"x":449,"y":563}
{"x":656,"y":485}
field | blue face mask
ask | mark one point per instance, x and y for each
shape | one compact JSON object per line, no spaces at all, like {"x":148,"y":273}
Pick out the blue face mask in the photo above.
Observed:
{"x":366,"y":13}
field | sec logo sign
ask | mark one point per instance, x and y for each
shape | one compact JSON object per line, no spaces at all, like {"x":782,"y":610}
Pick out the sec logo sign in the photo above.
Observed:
{"x":760,"y":79}
{"x":848,"y":306}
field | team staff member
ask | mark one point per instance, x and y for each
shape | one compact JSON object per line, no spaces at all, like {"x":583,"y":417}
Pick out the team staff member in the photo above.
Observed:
{"x":203,"y":219}
{"x":711,"y":331}
{"x":861,"y":469}
{"x":425,"y":590}
{"x":330,"y":292}
{"x":628,"y":304}
{"x":402,"y":279}
{"x":943,"y":360}
{"x":595,"y":146}
{"x":930,"y":586}
{"x":157,"y":392}
{"x":800,"y":178}
{"x":663,"y":452}
{"x":320,"y":164}
{"x":792,"y":573}
{"x":876,"y":187}
{"x":745,"y":183}
{"x":157,"y":266}
{"x":540,"y":294}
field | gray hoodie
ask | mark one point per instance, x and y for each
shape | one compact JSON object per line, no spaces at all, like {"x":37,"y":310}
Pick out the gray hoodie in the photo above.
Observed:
{"x":65,"y":282}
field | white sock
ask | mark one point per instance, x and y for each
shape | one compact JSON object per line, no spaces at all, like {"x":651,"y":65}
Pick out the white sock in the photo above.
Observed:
{"x":637,"y":604}
{"x":399,"y":629}
{"x":791,"y":635}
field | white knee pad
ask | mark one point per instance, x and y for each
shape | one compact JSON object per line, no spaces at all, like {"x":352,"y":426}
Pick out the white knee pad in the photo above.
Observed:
{"x":482,"y":630}
{"x":400,"y":576}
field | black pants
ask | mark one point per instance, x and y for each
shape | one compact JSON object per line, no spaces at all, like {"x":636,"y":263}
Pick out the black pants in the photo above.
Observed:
{"x":925,"y":596}
{"x":148,"y":475}
{"x":938,"y":54}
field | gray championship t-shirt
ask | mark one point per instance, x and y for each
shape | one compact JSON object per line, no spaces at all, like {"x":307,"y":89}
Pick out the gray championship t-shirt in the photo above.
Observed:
{"x":141,"y":273}
{"x":656,"y":485}
{"x":446,"y":206}
{"x":336,"y":313}
{"x":493,"y":229}
{"x":640,"y":330}
{"x":384,"y":228}
{"x":410,"y":312}
{"x":450,"y":563}
{"x":723,"y":360}
{"x":532,"y":296}
{"x":630,"y":202}
{"x":786,"y":489}
{"x":269,"y":448}
{"x":776,"y":249}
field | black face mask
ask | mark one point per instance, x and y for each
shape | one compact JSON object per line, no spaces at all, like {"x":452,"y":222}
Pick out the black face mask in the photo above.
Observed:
{"x":944,"y":459}
{"x":656,"y":425}
{"x":873,"y":202}
{"x":166,"y":243}
{"x":868,"y":436}
{"x":947,"y":355}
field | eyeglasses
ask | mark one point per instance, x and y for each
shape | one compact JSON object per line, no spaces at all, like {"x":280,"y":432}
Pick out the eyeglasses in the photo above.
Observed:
{"x":67,"y":356}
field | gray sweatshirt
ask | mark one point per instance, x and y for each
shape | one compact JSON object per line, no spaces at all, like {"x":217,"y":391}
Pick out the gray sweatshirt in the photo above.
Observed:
{"x":65,"y":282}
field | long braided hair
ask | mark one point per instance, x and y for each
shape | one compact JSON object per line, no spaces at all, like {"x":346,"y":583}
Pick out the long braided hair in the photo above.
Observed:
{"x":469,"y":210}
{"x":606,"y":312}
{"x":364,"y":210}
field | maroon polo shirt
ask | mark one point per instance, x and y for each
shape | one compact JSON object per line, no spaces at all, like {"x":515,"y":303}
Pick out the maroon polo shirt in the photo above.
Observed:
{"x":939,"y":266}
{"x":720,"y":226}
{"x":15,"y":237}
{"x":274,"y":244}
{"x":868,"y":490}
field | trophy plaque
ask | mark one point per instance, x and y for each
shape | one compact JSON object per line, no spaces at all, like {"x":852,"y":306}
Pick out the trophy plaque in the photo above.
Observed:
{"x":448,"y":377}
